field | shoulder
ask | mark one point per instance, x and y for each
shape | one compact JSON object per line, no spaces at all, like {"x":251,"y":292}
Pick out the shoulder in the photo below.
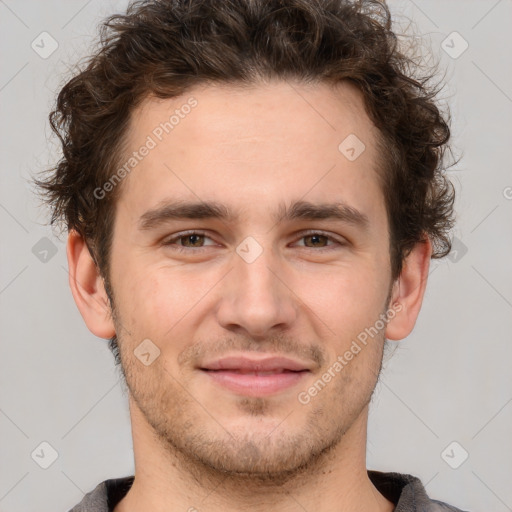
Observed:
{"x":104,"y":496}
{"x":439,"y":506}
{"x":407,"y":493}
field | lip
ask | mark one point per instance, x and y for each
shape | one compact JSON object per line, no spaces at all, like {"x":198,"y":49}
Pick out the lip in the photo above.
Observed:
{"x":252,"y":364}
{"x":251,"y":376}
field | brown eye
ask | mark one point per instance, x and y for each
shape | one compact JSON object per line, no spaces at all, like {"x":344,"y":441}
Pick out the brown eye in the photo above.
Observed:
{"x":194,"y":240}
{"x":317,"y":240}
{"x":320,"y":241}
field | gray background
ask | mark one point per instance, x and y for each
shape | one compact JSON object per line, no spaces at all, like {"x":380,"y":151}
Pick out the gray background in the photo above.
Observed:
{"x":449,"y":381}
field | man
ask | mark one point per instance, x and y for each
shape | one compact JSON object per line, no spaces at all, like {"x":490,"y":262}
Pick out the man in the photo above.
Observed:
{"x":253,"y":192}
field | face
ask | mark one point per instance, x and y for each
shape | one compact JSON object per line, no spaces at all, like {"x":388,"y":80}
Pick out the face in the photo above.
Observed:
{"x":252,"y":252}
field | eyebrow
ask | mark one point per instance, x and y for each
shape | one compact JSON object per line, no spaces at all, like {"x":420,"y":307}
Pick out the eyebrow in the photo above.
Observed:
{"x":299,"y":210}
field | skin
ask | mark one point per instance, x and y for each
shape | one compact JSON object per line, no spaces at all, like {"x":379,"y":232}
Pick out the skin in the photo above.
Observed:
{"x":198,"y":445}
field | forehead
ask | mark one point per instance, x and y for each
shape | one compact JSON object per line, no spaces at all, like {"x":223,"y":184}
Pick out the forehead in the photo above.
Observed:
{"x":292,"y":111}
{"x":266,"y":141}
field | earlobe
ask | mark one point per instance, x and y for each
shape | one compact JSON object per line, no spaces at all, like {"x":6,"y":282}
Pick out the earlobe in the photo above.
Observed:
{"x":88,"y":288}
{"x":409,"y":290}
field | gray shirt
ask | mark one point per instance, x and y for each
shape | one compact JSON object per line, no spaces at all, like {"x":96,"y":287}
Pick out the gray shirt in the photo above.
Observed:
{"x":405,"y":491}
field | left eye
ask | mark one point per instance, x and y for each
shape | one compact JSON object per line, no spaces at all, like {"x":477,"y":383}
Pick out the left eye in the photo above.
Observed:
{"x":316,"y":238}
{"x":189,"y":240}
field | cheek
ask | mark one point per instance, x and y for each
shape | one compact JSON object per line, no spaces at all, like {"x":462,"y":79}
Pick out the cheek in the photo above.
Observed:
{"x":161,"y":302}
{"x":345,"y":297}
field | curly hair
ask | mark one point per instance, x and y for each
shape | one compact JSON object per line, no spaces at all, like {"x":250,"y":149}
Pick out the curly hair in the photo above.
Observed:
{"x":162,"y":48}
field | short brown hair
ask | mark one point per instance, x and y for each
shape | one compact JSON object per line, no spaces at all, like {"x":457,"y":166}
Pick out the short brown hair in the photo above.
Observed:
{"x":165,"y":47}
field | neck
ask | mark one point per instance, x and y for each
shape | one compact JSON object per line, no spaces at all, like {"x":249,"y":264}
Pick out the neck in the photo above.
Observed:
{"x":166,"y":481}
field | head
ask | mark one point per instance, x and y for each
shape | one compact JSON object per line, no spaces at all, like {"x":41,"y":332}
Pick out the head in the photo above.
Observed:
{"x":290,"y":147}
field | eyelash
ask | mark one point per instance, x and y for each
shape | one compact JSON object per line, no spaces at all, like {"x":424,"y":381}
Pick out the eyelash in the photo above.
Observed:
{"x":170,"y":242}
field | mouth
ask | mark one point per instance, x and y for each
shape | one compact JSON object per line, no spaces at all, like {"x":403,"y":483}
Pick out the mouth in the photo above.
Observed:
{"x":256,"y":377}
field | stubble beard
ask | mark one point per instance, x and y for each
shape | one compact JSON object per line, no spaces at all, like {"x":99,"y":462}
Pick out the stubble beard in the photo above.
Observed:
{"x":199,"y":443}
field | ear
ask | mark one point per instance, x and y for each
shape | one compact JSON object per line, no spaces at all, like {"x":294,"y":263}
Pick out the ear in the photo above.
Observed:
{"x":88,"y":288}
{"x":408,"y":291}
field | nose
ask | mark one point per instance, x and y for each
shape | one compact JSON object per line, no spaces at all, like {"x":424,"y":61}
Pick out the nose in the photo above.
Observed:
{"x":255,"y":299}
